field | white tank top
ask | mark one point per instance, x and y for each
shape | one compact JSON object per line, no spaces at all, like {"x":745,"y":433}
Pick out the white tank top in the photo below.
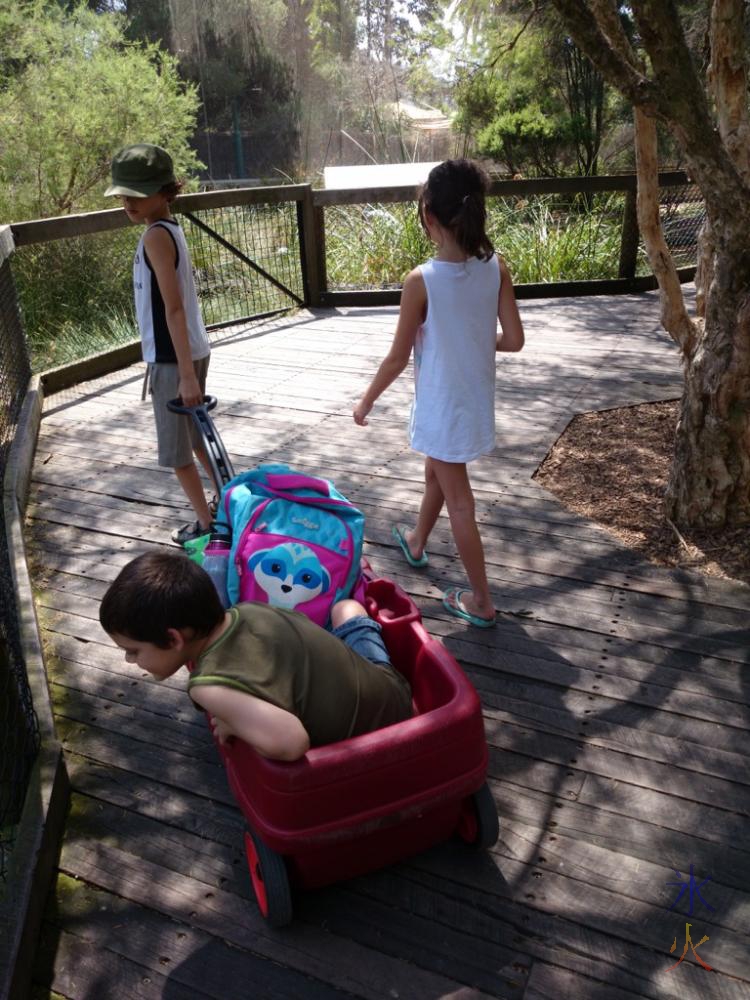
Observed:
{"x":149,"y":306}
{"x":453,"y":413}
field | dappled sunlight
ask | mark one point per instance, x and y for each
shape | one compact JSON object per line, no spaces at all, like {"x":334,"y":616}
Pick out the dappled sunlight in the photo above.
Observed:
{"x":614,"y":702}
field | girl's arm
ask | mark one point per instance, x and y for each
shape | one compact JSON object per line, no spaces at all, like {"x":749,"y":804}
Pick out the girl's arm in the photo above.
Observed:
{"x":410,"y":317}
{"x":161,"y":251}
{"x":512,"y":336}
{"x":272,"y":731}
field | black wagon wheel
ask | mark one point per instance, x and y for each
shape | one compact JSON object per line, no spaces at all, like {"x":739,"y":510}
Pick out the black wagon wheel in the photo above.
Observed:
{"x":478,"y":824}
{"x":270,"y":881}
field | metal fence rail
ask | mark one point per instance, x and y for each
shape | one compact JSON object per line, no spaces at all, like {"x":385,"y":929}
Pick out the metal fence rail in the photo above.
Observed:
{"x":19,"y":729}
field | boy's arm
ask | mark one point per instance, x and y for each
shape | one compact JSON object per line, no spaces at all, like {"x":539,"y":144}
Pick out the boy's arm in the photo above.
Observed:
{"x":512,"y":337}
{"x":272,"y":731}
{"x":410,"y":317}
{"x":161,"y":250}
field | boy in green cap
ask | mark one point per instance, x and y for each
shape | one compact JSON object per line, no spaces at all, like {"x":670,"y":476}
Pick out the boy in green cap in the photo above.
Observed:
{"x":173,"y":336}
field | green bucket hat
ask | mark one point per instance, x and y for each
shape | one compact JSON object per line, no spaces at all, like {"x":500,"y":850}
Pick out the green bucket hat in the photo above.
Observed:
{"x":140,"y":171}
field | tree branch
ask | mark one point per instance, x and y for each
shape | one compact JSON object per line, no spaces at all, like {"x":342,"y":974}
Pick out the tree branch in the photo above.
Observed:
{"x":682,"y":103}
{"x":674,"y":316}
{"x":588,"y":33}
{"x":608,"y":18}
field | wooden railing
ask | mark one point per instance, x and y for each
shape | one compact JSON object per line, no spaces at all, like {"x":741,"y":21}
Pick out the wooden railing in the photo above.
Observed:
{"x":311,"y":207}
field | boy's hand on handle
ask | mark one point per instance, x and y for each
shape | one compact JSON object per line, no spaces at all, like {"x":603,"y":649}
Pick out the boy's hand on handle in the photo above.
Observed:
{"x":189,"y":391}
{"x":360,"y":413}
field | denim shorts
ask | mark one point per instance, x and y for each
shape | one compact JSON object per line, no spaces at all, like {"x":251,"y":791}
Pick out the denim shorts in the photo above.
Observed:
{"x":363,"y":635}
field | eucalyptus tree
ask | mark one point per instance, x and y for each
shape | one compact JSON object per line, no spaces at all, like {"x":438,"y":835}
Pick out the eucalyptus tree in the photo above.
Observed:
{"x":710,"y":479}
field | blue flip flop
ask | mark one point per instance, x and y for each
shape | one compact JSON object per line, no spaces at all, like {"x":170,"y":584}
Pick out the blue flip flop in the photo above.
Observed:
{"x":454,"y":606}
{"x":399,"y":533}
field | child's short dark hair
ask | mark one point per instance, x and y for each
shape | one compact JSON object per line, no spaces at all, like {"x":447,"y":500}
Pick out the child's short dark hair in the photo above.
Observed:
{"x":158,"y":591}
{"x":171,"y":190}
{"x":454,"y":194}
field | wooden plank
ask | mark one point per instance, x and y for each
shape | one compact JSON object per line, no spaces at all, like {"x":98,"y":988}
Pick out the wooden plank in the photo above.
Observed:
{"x":219,"y":823}
{"x":301,"y":947}
{"x":615,"y":713}
{"x":67,"y":226}
{"x":179,"y":960}
{"x":548,"y":982}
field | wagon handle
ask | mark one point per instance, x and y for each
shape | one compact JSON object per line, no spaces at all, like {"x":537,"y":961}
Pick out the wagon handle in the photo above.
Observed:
{"x":221,"y":467}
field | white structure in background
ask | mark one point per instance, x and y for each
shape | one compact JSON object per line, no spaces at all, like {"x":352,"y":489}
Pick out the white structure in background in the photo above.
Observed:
{"x":419,"y":116}
{"x":376,"y":175}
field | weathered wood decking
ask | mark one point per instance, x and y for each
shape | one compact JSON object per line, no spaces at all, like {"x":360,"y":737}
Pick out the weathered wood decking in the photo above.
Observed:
{"x":615,"y":695}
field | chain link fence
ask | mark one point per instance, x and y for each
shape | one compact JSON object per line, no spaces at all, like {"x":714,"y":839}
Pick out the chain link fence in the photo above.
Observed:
{"x":19,"y":729}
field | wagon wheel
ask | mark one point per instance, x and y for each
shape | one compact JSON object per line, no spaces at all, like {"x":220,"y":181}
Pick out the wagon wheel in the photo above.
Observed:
{"x":478,"y":824}
{"x":270,"y":881}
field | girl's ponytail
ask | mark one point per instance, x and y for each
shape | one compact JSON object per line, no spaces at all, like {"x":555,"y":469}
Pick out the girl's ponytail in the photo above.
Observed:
{"x":454,"y":194}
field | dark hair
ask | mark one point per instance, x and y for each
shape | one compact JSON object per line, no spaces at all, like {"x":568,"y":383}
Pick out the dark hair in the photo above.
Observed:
{"x":454,"y":194}
{"x":158,"y":591}
{"x":171,"y":190}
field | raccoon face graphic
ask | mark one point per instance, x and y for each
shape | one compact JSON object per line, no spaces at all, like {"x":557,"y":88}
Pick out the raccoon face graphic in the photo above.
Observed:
{"x":289,"y":574}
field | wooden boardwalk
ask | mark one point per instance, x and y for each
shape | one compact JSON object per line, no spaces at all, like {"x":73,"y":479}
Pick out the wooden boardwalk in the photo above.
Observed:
{"x":615,"y":695}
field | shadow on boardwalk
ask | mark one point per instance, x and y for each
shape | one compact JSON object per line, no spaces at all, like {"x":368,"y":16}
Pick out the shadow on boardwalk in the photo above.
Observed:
{"x":615,"y":698}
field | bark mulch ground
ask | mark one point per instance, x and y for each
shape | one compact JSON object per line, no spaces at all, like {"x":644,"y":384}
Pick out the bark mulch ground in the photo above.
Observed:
{"x":612,"y":466}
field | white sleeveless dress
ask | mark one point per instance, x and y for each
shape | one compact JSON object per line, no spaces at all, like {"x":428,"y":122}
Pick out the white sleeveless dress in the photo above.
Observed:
{"x":453,"y":412}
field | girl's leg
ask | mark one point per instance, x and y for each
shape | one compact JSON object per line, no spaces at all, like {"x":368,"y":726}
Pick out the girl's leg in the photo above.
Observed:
{"x":429,"y":511}
{"x":453,"y":480}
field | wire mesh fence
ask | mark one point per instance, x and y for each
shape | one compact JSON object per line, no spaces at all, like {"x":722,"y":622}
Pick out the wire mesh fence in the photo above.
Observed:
{"x":544,"y":237}
{"x":19,"y":731}
{"x":76,"y":293}
{"x":246,"y":260}
{"x":682,"y":215}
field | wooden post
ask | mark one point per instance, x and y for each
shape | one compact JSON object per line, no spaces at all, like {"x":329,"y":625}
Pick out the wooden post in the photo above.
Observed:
{"x":312,"y":248}
{"x":630,"y":237}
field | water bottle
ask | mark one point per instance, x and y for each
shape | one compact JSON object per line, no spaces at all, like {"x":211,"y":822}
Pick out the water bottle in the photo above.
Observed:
{"x":215,"y":562}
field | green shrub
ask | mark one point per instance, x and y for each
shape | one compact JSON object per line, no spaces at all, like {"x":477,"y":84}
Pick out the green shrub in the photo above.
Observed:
{"x":76,"y":296}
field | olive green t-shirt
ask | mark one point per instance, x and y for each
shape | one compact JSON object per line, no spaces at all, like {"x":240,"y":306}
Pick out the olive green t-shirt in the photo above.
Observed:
{"x":284,"y":658}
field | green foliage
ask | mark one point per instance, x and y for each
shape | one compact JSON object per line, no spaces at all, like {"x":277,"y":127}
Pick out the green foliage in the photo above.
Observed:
{"x":333,"y":29}
{"x":74,"y":90}
{"x":76,"y":295}
{"x":542,"y":239}
{"x":530,"y":100}
{"x":515,"y":107}
{"x":373,"y":245}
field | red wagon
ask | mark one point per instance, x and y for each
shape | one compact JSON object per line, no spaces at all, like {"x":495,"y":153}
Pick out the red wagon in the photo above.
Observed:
{"x":366,"y":802}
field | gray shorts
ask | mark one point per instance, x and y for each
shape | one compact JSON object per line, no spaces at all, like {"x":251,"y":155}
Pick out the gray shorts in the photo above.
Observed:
{"x":176,"y":434}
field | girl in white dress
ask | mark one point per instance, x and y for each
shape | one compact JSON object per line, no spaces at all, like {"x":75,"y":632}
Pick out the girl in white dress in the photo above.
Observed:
{"x":449,"y":312}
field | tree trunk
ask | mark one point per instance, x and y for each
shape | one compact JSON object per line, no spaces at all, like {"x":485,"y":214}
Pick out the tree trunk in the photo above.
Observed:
{"x":709,"y":485}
